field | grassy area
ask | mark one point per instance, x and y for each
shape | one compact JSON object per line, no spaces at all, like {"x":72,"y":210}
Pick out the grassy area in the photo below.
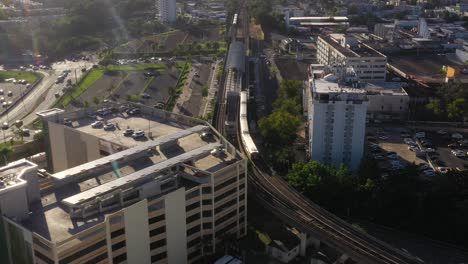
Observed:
{"x":29,"y":76}
{"x":136,"y":67}
{"x":83,"y":85}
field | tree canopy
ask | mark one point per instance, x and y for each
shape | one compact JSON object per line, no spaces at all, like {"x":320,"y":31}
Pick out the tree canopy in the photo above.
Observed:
{"x":436,"y":207}
{"x":279,"y":130}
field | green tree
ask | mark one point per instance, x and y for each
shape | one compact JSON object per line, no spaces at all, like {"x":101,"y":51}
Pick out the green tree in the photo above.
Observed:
{"x":6,"y":152}
{"x":279,"y":128}
{"x":434,"y":106}
{"x":457,"y":109}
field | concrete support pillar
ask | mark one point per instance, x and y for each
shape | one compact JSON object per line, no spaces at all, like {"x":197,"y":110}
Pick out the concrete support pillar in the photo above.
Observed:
{"x":303,"y":246}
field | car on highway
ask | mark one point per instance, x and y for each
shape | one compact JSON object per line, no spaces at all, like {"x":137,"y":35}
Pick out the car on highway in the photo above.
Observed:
{"x":97,"y":124}
{"x":128,"y":132}
{"x":145,"y":96}
{"x":4,"y":104}
{"x":25,"y":132}
{"x":10,"y":93}
{"x":5,"y":126}
{"x":109,"y":126}
{"x":9,"y":103}
{"x":138,"y":134}
{"x":383,"y":137}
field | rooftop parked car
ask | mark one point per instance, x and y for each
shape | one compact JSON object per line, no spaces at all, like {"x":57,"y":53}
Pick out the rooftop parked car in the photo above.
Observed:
{"x":128,"y":132}
{"x":97,"y":124}
{"x":109,"y":126}
{"x":138,"y":134}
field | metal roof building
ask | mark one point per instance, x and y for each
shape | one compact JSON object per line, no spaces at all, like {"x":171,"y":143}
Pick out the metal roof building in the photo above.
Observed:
{"x":236,"y":57}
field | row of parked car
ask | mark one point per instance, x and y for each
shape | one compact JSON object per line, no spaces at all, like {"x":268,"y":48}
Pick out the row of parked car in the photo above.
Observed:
{"x":111,"y":126}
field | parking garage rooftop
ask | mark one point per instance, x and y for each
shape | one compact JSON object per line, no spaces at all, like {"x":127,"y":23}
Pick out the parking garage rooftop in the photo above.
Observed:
{"x":175,"y":152}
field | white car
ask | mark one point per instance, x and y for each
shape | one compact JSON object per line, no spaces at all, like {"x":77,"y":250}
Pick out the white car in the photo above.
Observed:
{"x":109,"y":126}
{"x":408,"y":141}
{"x":458,"y":153}
{"x":138,"y":134}
{"x":430,"y":150}
{"x":97,"y":124}
{"x":383,"y":137}
{"x":443,"y":169}
{"x":413,"y":148}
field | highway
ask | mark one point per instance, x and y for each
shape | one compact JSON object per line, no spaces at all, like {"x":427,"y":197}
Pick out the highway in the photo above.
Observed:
{"x":296,"y":210}
{"x":43,"y":94}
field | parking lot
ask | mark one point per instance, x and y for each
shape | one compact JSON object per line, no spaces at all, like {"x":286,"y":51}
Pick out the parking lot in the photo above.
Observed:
{"x":396,"y":147}
{"x":16,"y":89}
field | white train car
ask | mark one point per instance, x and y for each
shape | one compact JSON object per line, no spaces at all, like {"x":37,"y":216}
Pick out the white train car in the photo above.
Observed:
{"x":247,"y":141}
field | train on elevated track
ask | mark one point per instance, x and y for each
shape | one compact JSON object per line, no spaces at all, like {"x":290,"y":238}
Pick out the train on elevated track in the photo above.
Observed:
{"x":247,"y":142}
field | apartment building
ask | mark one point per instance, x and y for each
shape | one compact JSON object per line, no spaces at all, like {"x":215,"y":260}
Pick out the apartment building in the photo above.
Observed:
{"x":340,"y":49}
{"x":336,"y":108}
{"x":171,"y":196}
{"x":167,"y":10}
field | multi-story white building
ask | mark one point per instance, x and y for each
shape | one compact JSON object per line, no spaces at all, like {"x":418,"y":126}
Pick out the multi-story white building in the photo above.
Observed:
{"x":171,"y":196}
{"x":339,"y":49}
{"x":336,"y":109}
{"x":167,"y":10}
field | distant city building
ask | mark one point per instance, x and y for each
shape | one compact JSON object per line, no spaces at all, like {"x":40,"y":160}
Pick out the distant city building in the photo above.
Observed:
{"x":167,"y":10}
{"x":340,"y":49}
{"x":168,"y":193}
{"x":336,"y":108}
{"x":385,"y":31}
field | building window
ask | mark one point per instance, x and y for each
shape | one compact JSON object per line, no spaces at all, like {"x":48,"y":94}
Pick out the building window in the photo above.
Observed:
{"x":159,"y":257}
{"x":207,"y":225}
{"x":83,"y":252}
{"x":190,"y":207}
{"x":194,"y":242}
{"x":158,"y":244}
{"x":119,"y":245}
{"x":207,"y":202}
{"x":192,"y":218}
{"x":157,"y":231}
{"x":206,"y":190}
{"x":226,"y":183}
{"x":193,"y":230}
{"x":192,"y":194}
{"x":207,"y":213}
{"x":117,"y":233}
{"x":156,"y":219}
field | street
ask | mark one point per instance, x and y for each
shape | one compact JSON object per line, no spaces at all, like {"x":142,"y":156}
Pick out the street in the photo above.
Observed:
{"x":43,"y":95}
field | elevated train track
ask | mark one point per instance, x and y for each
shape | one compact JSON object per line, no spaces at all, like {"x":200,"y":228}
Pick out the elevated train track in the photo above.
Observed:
{"x":289,"y":205}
